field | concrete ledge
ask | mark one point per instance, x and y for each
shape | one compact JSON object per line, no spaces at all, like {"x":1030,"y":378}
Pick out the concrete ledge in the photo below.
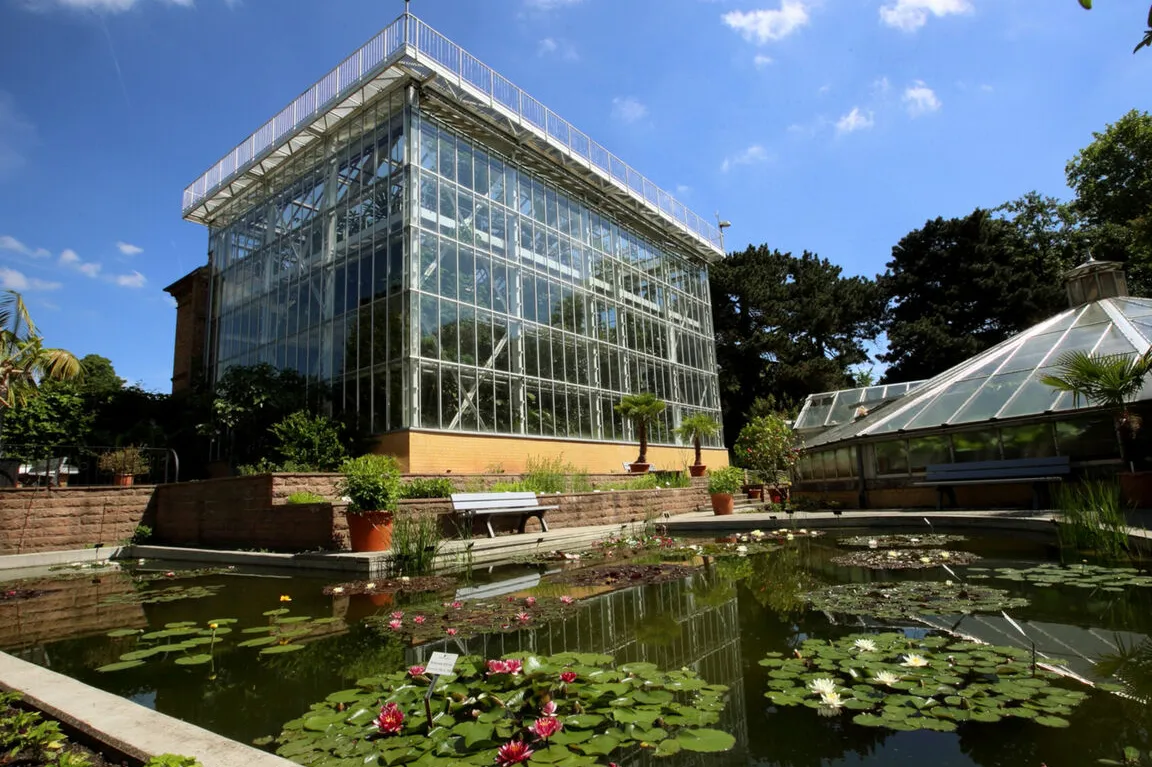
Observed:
{"x":1028,"y":522}
{"x":52,"y":558}
{"x":124,"y":726}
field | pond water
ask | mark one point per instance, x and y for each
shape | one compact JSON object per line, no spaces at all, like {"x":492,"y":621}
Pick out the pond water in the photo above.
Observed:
{"x":721,"y":621}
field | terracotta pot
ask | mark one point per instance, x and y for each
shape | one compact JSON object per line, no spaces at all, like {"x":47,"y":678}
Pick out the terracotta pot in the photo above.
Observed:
{"x":639,"y":468}
{"x":723,"y":504}
{"x":369,"y":530}
{"x":697,"y":470}
{"x":382,"y":600}
{"x":775,"y":495}
{"x":754,"y":493}
{"x":122,"y":480}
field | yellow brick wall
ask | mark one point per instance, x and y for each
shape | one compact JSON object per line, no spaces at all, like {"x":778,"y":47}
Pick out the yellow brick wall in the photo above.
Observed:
{"x":422,"y":452}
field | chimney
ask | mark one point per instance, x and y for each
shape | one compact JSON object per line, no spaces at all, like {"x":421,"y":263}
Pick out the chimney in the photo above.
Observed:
{"x":1094,"y":280}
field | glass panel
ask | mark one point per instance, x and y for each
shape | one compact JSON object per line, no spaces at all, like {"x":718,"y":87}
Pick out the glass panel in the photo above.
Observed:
{"x":925,"y":451}
{"x":1033,"y":398}
{"x":891,"y":457}
{"x":1030,"y":441}
{"x":1087,"y":439}
{"x":942,"y":409}
{"x":996,"y":392}
{"x":971,"y":446}
{"x":429,"y":398}
{"x":845,"y":467}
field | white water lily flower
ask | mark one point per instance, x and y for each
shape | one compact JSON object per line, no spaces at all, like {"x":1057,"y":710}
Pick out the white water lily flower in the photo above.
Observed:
{"x":865,"y":645}
{"x":912,"y":660}
{"x":892,"y":554}
{"x":741,"y":549}
{"x":802,"y":531}
{"x":873,"y":543}
{"x":944,"y":555}
{"x":790,"y":536}
{"x":757,"y":534}
{"x":831,"y":699}
{"x":925,"y":560}
{"x":913,"y":540}
{"x":886,"y":678}
{"x":947,"y":583}
{"x":369,"y":585}
{"x":404,"y":579}
{"x":337,"y":589}
{"x":823,"y":686}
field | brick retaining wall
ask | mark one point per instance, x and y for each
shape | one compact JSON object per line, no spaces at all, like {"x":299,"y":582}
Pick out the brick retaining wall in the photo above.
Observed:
{"x":37,"y":519}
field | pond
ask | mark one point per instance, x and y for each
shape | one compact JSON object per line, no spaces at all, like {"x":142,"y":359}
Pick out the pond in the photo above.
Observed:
{"x":738,"y":620}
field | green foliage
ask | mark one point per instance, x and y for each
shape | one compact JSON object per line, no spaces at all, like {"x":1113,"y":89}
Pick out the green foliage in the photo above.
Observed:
{"x":907,"y":599}
{"x":900,"y":540}
{"x":956,"y":287}
{"x":26,"y":733}
{"x":1083,"y":575}
{"x":248,"y":401}
{"x":24,"y":360}
{"x":100,"y":380}
{"x":371,"y":482}
{"x":428,"y":487}
{"x":310,"y":442}
{"x":128,"y":460}
{"x":39,"y":426}
{"x":603,"y":711}
{"x":652,"y":480}
{"x":141,"y":535}
{"x":71,"y":759}
{"x":768,"y":446}
{"x":696,"y":428}
{"x":786,"y":326}
{"x":641,"y":409}
{"x":416,"y":542}
{"x":303,"y":498}
{"x":932,"y":683}
{"x":172,"y":760}
{"x":727,"y":480}
{"x":547,"y":475}
{"x":1091,"y":517}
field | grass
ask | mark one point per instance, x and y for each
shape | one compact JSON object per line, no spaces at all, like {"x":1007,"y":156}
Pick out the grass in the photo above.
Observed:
{"x":305,"y":497}
{"x":416,"y":541}
{"x":1091,"y":518}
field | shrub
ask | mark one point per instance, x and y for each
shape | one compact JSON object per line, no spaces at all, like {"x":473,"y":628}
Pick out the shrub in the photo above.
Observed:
{"x":768,"y":446}
{"x":126,"y":460}
{"x":554,"y":475}
{"x":371,"y":483}
{"x":429,"y":487}
{"x":727,"y":480}
{"x":141,"y":535}
{"x":303,"y":498}
{"x":310,"y":442}
{"x":415,"y":543}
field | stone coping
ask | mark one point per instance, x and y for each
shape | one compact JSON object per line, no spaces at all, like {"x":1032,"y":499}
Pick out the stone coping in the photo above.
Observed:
{"x":122,"y":725}
{"x":51,"y":558}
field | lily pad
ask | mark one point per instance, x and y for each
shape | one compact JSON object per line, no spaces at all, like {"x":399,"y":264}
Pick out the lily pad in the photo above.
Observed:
{"x":910,"y":598}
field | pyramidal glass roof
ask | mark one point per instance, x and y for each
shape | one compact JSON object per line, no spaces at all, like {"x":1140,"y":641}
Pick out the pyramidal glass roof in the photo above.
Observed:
{"x":1004,"y":381}
{"x":834,"y":408}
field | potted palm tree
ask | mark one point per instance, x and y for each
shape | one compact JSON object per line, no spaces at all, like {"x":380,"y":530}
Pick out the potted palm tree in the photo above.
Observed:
{"x":722,"y":485}
{"x":694,"y":429}
{"x":1111,"y":381}
{"x":124,"y":465}
{"x":641,"y":409}
{"x":372,"y":486}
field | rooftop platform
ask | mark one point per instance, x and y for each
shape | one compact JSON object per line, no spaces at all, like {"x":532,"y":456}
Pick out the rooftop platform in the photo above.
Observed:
{"x":409,"y":49}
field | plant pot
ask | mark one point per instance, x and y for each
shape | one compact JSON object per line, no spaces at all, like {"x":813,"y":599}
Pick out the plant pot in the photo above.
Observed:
{"x":754,"y":493}
{"x":122,"y":480}
{"x":723,"y":504}
{"x":369,"y":530}
{"x":1136,"y":488}
{"x":638,"y":468}
{"x":775,"y":495}
{"x":697,"y":470}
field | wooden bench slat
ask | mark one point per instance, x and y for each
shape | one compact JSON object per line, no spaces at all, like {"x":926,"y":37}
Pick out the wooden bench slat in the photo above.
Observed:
{"x":524,"y":504}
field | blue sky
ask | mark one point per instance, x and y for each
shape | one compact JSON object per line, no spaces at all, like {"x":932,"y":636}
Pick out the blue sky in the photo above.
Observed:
{"x":835,"y":126}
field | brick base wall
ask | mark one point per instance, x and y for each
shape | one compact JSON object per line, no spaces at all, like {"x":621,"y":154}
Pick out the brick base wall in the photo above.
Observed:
{"x":1000,"y":496}
{"x":59,"y":519}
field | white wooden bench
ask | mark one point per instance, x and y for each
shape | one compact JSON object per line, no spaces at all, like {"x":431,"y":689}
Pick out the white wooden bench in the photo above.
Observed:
{"x":488,"y":505}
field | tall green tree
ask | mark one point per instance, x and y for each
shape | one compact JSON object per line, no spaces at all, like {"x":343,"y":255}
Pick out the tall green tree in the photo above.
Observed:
{"x":1112,"y":179}
{"x":956,"y":287}
{"x":38,"y":427}
{"x":786,"y":326}
{"x":248,"y":401}
{"x":100,"y":379}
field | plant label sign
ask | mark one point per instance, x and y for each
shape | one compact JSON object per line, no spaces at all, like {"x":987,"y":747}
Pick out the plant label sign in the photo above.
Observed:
{"x":441,"y":663}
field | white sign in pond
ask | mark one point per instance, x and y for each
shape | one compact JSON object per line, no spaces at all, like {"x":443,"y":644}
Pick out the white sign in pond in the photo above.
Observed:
{"x":441,"y":663}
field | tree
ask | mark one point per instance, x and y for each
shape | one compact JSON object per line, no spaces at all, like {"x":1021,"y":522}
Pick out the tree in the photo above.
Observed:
{"x":56,"y":417}
{"x":956,"y":287}
{"x":785,"y":327}
{"x":641,"y":409}
{"x":248,"y":400}
{"x":309,"y":442}
{"x":100,"y":379}
{"x":1112,"y":179}
{"x":24,"y":360}
{"x":695,"y":428}
{"x":767,"y":445}
{"x":1145,"y":42}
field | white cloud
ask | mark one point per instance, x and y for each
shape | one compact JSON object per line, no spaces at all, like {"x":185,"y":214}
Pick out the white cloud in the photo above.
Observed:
{"x":11,"y":243}
{"x":17,"y":136}
{"x":683,"y":189}
{"x":133,"y":280}
{"x":171,"y":301}
{"x":761,"y":61}
{"x":129,"y":249}
{"x":10,"y":279}
{"x":764,"y":26}
{"x":880,"y":86}
{"x":550,"y":46}
{"x":109,"y":6}
{"x":920,"y":100}
{"x":628,"y":109}
{"x":854,"y":121}
{"x":910,"y":15}
{"x":70,"y":259}
{"x":752,"y":155}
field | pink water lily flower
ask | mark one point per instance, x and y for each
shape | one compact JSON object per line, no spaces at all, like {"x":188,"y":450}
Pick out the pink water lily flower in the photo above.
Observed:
{"x":567,"y":600}
{"x":545,"y":727}
{"x":530,"y":601}
{"x":398,"y":614}
{"x":549,"y":708}
{"x":391,"y":719}
{"x":457,"y":605}
{"x":513,"y":752}
{"x":416,"y":670}
{"x":567,"y":677}
{"x":419,"y":620}
{"x":523,"y":617}
{"x":395,"y":624}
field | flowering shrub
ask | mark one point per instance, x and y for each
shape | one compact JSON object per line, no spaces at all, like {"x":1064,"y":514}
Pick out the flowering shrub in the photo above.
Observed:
{"x":572,"y":708}
{"x":767,"y":445}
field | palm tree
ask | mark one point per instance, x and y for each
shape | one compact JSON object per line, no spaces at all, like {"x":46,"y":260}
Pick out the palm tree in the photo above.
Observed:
{"x":1109,"y":380}
{"x":698,"y":427}
{"x":24,"y":360}
{"x":641,"y":409}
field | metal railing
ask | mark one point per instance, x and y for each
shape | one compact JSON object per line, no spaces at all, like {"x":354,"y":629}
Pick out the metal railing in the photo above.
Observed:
{"x":470,"y":72}
{"x":78,"y":465}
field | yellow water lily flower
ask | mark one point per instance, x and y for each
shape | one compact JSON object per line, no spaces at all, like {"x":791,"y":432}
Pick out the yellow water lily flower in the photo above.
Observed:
{"x":285,"y":598}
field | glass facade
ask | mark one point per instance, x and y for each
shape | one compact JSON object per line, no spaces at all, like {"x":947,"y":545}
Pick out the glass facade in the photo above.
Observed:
{"x":437,"y":284}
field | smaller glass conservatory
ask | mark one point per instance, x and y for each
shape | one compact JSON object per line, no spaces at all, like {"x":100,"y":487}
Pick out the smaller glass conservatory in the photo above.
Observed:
{"x":993,"y":406}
